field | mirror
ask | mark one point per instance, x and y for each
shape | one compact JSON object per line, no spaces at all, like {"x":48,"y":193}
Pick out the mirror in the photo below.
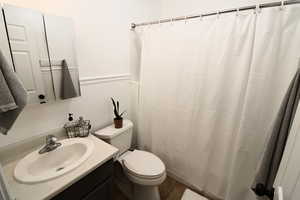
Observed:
{"x":4,"y":41}
{"x":43,"y":54}
{"x":61,"y":44}
{"x":27,"y":43}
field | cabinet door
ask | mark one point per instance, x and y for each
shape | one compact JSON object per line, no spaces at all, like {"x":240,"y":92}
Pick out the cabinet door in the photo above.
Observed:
{"x":98,"y":181}
{"x":60,"y":33}
{"x":4,"y":41}
{"x":103,"y":191}
{"x":28,"y":46}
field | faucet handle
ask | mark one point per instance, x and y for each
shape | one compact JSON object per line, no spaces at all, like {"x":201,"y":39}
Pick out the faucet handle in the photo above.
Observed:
{"x":51,"y":144}
{"x":54,"y":139}
{"x":51,"y":139}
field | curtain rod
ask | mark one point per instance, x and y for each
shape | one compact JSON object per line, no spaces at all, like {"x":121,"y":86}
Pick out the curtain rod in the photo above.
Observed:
{"x":264,"y":5}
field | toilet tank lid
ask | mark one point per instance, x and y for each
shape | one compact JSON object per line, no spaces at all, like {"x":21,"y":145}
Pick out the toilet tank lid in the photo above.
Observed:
{"x":110,"y":131}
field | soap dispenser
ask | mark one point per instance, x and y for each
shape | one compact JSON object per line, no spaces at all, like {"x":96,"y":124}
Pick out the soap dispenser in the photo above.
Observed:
{"x":70,"y":117}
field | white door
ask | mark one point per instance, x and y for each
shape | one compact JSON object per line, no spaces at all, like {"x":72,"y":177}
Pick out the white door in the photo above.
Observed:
{"x":27,"y":39}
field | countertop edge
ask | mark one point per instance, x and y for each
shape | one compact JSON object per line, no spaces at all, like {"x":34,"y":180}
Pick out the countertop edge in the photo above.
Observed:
{"x":94,"y":164}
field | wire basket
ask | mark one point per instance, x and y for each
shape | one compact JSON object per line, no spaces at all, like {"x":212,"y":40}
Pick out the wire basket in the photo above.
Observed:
{"x":78,"y":129}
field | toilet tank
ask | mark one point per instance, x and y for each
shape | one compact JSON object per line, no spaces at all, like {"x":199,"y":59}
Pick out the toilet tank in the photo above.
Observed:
{"x":120,"y":138}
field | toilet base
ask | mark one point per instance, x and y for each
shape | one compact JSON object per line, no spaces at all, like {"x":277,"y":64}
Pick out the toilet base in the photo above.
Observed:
{"x":145,"y":192}
{"x":132,"y":190}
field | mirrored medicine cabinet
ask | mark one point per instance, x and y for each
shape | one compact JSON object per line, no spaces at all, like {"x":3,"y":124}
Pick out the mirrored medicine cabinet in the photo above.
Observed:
{"x":41,"y":50}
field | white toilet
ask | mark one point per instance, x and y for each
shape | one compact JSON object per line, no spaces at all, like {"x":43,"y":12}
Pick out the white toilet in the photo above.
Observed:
{"x":144,"y":170}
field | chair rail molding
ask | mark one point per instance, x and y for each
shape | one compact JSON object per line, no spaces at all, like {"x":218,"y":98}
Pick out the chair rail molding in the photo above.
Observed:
{"x":100,"y":79}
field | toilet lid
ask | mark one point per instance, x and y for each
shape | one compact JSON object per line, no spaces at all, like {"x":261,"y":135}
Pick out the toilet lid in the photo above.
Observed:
{"x":144,"y":164}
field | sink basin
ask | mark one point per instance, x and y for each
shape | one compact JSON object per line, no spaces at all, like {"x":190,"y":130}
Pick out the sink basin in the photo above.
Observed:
{"x":37,"y":167}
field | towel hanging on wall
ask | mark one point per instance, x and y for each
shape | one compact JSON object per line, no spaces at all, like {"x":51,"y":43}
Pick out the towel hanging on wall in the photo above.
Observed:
{"x":13,"y":96}
{"x":67,"y":88}
{"x":264,"y":181}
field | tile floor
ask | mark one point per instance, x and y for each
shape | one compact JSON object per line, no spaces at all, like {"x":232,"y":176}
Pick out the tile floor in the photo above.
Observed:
{"x":169,"y":190}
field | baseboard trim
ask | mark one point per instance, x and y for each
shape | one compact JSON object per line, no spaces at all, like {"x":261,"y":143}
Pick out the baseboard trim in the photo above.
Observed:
{"x":191,"y":186}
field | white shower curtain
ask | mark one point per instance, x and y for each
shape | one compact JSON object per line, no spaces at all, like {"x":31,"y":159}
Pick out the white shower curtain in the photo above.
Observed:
{"x":209,"y":91}
{"x":275,"y":59}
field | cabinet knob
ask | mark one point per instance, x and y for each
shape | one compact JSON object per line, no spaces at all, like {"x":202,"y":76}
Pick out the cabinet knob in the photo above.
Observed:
{"x":41,"y":96}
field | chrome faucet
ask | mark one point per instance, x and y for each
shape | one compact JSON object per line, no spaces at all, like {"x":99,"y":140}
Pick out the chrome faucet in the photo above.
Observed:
{"x":51,"y":144}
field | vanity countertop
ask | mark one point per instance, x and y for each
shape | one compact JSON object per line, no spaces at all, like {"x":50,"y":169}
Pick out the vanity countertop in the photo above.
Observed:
{"x":48,"y":189}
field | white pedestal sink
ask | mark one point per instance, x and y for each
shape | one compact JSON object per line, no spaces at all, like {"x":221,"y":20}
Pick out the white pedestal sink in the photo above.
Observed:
{"x":36,"y":167}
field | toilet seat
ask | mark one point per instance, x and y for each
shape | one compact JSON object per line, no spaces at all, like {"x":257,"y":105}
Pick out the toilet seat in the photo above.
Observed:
{"x":144,"y":164}
{"x":143,"y":167}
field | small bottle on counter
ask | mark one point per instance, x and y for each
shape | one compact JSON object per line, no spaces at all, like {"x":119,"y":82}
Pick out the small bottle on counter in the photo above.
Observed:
{"x":69,"y":126}
{"x":84,"y":127}
{"x":81,"y":124}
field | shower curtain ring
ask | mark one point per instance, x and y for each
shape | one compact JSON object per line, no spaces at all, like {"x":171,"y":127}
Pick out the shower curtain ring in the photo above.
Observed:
{"x":200,"y":17}
{"x":218,"y":14}
{"x":185,"y":19}
{"x":282,"y":5}
{"x":237,"y":11}
{"x":257,"y":9}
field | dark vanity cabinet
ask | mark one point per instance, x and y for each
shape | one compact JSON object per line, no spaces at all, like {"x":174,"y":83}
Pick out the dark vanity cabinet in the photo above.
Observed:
{"x":95,"y":186}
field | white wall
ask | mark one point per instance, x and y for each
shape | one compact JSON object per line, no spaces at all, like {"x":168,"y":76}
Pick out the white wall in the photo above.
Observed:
{"x":173,"y":8}
{"x":102,"y":28}
{"x":102,"y":34}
